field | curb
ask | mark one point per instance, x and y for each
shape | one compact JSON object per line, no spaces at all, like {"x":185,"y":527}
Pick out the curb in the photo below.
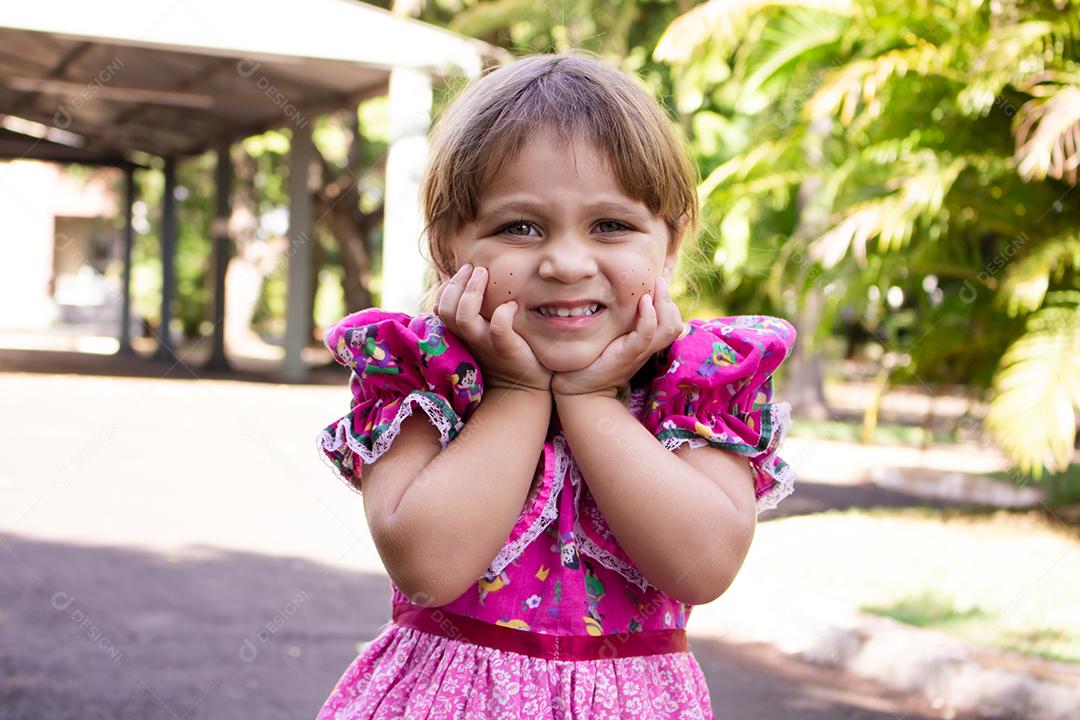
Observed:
{"x":949,"y":672}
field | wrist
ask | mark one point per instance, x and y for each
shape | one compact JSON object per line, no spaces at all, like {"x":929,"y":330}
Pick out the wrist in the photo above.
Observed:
{"x":612,"y":393}
{"x":518,"y":387}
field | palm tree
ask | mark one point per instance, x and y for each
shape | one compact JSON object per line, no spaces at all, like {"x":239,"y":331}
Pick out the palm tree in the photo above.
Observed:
{"x":946,"y":132}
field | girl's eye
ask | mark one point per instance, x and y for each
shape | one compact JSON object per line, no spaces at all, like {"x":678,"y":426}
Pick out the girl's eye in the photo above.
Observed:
{"x":615,"y":222}
{"x":515,"y":224}
{"x":619,"y":227}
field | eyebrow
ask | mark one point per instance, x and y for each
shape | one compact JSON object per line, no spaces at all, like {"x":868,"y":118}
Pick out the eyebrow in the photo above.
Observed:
{"x":526,"y":206}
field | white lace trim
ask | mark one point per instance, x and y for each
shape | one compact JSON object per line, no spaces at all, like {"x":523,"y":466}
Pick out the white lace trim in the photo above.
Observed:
{"x":332,"y":442}
{"x":602,"y":556}
{"x":330,"y":463}
{"x":585,"y":545}
{"x":784,"y":479}
{"x":511,"y":551}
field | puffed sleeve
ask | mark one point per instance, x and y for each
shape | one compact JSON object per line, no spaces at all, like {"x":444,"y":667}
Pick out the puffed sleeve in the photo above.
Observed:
{"x":399,"y":363}
{"x":714,"y":385}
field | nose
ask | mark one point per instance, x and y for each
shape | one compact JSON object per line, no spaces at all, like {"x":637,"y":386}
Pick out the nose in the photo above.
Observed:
{"x":567,"y":259}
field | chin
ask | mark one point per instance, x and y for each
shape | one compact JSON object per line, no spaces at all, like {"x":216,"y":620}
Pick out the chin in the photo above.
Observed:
{"x":563,"y":358}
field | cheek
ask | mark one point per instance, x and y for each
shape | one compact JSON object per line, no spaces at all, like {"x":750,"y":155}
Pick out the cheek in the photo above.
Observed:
{"x":503,"y":285}
{"x":503,"y":281}
{"x":634,"y":280}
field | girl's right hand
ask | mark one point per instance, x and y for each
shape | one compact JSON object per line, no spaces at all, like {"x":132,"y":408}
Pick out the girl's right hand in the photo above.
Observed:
{"x":505,"y":358}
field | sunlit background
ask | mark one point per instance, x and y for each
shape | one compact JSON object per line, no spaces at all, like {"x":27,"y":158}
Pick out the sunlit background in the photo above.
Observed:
{"x":192,"y":191}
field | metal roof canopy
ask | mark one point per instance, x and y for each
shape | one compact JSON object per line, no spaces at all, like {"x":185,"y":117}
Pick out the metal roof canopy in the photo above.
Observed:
{"x":16,"y":145}
{"x":178,"y":77}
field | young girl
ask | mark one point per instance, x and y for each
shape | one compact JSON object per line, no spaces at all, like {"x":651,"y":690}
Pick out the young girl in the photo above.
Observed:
{"x":555,"y":466}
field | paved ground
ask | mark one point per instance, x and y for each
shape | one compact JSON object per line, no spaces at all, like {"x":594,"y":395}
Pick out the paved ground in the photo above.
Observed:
{"x":174,"y":549}
{"x":109,"y":632}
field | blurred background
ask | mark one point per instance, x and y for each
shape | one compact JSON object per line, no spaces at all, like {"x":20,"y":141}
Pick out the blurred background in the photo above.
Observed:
{"x":192,"y":191}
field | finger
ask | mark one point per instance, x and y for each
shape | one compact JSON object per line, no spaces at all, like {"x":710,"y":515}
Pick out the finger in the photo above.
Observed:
{"x":669,"y":319}
{"x":637,"y":341}
{"x":502,"y":327}
{"x":646,"y":326}
{"x":468,"y":309}
{"x":451,"y":294}
{"x":674,"y":326}
{"x":438,"y":295}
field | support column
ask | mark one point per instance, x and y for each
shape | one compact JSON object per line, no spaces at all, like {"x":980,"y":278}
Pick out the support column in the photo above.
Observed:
{"x":129,"y":242}
{"x":403,"y":266}
{"x":223,"y":178}
{"x":168,"y":260}
{"x":298,"y":275}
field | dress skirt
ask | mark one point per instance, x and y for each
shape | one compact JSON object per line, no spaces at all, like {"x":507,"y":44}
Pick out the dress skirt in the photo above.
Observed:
{"x":432,"y":665}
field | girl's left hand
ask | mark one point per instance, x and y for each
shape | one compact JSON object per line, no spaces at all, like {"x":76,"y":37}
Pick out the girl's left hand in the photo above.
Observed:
{"x":659,"y":324}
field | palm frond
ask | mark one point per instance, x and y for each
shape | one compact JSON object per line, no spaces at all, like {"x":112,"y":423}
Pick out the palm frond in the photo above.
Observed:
{"x":722,"y":22}
{"x":1027,"y":280}
{"x":741,"y":166}
{"x":1009,"y":54}
{"x":786,"y":38}
{"x":484,"y":18}
{"x":1048,"y":136}
{"x":890,"y":218}
{"x":1033,"y":414}
{"x":859,"y":81}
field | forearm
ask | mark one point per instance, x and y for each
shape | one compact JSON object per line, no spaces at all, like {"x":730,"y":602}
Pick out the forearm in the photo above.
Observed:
{"x":680,"y":528}
{"x":458,"y":512}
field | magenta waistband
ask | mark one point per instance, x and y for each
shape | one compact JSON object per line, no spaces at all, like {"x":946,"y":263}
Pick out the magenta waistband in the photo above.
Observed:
{"x":539,"y":645}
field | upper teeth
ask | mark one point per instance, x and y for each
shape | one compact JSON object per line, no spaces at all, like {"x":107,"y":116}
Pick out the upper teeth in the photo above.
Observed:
{"x":569,"y":312}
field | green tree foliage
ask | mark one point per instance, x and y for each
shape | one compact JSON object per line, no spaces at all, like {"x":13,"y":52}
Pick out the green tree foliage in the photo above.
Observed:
{"x":940,"y":142}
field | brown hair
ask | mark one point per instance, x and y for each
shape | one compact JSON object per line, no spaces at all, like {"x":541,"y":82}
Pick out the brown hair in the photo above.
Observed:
{"x":574,"y":94}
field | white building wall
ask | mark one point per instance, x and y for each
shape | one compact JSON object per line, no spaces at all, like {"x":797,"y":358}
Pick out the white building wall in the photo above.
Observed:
{"x":26,"y":244}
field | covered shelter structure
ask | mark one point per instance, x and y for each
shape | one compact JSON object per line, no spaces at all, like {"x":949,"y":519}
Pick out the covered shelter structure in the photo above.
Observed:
{"x":110,"y":82}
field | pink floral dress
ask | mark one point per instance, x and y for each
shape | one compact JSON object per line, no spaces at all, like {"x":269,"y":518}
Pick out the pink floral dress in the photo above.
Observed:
{"x":561,"y":571}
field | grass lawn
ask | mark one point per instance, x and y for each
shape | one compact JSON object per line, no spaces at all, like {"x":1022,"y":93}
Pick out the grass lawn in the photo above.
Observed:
{"x":884,"y":433}
{"x":1062,"y":488}
{"x":1007,"y":580}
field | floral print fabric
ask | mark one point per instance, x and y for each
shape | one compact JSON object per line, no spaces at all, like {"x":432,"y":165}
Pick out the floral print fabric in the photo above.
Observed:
{"x":408,"y":674}
{"x":398,"y":363}
{"x":715,"y":386}
{"x":561,"y":570}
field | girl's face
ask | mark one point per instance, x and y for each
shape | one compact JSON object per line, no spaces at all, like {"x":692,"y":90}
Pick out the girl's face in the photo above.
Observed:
{"x":554,"y":226}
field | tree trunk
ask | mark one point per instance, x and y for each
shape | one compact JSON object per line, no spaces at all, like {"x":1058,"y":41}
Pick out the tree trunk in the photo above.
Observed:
{"x":253,"y":260}
{"x":318,"y":259}
{"x":338,"y":202}
{"x":806,"y":381}
{"x":806,"y":378}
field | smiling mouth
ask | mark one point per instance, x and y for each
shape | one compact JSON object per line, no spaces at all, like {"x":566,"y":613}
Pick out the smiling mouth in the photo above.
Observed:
{"x":584,"y":310}
{"x":568,"y":322}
